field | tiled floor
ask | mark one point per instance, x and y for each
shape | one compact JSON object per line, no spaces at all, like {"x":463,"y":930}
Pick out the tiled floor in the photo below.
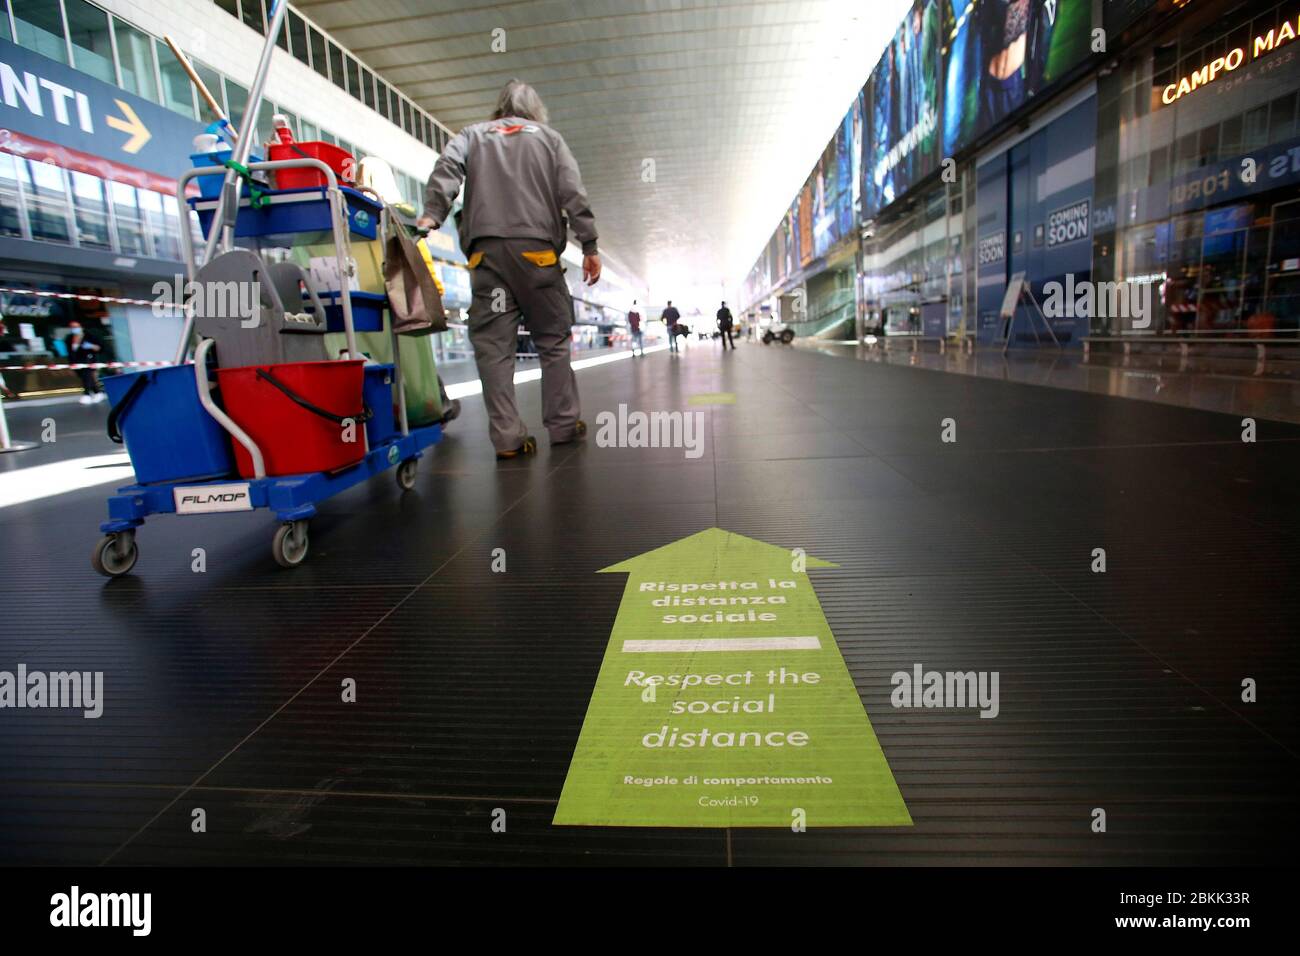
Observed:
{"x":1119,"y":690}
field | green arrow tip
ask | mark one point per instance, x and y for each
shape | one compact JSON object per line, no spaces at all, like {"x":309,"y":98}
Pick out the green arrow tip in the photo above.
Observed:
{"x":716,"y":548}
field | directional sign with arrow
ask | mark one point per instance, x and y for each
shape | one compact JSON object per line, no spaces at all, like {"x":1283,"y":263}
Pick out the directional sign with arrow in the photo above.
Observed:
{"x":723,"y":701}
{"x":45,"y":100}
{"x":130,"y":124}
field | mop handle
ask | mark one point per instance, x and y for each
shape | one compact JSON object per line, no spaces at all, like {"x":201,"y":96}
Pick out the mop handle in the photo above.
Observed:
{"x":200,"y":86}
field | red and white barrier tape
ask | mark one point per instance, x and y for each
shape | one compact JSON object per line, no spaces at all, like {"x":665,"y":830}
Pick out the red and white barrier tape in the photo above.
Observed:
{"x":60,"y":368}
{"x":86,"y":297}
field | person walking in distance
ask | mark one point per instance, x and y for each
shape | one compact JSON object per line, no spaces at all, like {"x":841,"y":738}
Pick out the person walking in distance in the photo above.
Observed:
{"x":725,"y":324}
{"x":634,"y":325}
{"x":521,"y":184}
{"x":82,"y":351}
{"x":670,"y":318}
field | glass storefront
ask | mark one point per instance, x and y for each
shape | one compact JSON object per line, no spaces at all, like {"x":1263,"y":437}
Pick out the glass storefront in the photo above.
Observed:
{"x":45,"y":202}
{"x":914,"y":270}
{"x":1199,"y":144}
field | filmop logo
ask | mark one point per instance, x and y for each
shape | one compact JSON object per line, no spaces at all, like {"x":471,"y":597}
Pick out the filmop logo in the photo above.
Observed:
{"x":76,"y":909}
{"x":57,"y":690}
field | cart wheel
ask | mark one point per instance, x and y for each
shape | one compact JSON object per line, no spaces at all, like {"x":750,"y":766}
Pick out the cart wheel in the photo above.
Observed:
{"x":115,"y":554}
{"x":787,"y":336}
{"x":289,"y":546}
{"x":406,"y":473}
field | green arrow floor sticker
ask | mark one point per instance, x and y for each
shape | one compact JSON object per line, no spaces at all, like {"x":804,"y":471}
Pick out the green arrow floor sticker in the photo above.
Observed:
{"x":723,"y":701}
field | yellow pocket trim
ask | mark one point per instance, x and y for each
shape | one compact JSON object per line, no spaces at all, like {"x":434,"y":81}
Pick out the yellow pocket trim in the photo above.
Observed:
{"x":544,"y":258}
{"x":474,"y":260}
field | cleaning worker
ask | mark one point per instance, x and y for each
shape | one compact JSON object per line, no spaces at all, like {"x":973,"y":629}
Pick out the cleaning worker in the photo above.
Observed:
{"x":521,"y":182}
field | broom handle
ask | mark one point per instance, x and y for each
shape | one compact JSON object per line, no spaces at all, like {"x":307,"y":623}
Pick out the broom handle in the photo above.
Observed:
{"x":200,"y":85}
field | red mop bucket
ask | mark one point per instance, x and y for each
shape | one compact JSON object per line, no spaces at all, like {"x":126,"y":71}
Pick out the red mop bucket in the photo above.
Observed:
{"x":340,"y":160}
{"x":296,"y":413}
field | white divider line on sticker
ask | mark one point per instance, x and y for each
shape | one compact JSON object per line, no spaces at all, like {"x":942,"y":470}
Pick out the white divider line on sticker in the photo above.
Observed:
{"x":723,"y":644}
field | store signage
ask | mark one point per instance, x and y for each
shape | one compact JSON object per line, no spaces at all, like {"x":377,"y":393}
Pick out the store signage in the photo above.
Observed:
{"x":1262,"y":45}
{"x":43,"y":98}
{"x":992,"y":248}
{"x":1069,"y":223}
{"x":723,"y":701}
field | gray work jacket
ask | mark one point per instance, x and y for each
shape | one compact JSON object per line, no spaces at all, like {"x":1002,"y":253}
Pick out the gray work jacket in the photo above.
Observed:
{"x":519,"y":179}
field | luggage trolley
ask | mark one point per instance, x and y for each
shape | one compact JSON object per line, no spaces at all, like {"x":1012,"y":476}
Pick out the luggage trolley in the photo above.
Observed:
{"x":293,"y":498}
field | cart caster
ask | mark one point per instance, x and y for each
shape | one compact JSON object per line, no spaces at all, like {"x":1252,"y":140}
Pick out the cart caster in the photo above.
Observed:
{"x":289,"y":546}
{"x":115,"y":554}
{"x":406,"y":473}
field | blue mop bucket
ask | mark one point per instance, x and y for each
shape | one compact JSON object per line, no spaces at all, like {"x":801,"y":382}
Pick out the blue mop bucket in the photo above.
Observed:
{"x":377,"y":391}
{"x":167,"y":432}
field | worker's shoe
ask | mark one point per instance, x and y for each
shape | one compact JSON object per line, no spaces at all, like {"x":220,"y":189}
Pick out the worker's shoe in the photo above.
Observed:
{"x":579,"y":433}
{"x":450,"y":412}
{"x":529,"y":447}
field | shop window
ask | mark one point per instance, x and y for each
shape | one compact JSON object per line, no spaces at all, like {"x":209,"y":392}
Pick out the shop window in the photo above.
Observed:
{"x":39,"y":27}
{"x":10,"y":222}
{"x":296,"y":30}
{"x":129,"y":217}
{"x":135,"y":58}
{"x":1230,"y":136}
{"x":1255,"y":133}
{"x":92,"y":49}
{"x":177,"y":91}
{"x":47,"y":201}
{"x":367,"y":88}
{"x":336,"y":67}
{"x":1209,"y":145}
{"x":212,"y":80}
{"x":251,"y":14}
{"x":90,"y":211}
{"x":162,"y":221}
{"x":354,"y":79}
{"x":319,"y":59}
{"x":264,"y":127}
{"x":1281,"y":118}
{"x":236,"y":102}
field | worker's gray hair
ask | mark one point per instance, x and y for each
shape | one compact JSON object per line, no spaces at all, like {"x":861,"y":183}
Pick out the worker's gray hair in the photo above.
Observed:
{"x":519,"y":99}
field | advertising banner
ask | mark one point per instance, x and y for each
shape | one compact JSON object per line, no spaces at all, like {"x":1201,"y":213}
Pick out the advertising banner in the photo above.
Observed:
{"x":903,"y":112}
{"x":1002,"y":52}
{"x":806,"y":251}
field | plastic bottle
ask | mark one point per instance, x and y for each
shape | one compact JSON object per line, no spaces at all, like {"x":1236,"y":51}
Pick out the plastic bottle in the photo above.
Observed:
{"x":283,"y":131}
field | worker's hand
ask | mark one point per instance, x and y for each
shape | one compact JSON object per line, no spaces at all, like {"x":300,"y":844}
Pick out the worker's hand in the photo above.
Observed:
{"x":424,"y":223}
{"x":591,"y":269}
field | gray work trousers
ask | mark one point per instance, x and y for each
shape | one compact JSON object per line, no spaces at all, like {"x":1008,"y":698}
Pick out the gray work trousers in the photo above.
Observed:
{"x":510,"y":288}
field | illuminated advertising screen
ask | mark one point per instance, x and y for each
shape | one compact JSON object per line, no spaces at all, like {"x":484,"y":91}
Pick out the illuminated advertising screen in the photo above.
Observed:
{"x":806,"y":224}
{"x":825,"y":228}
{"x":1002,"y":52}
{"x":902,"y":109}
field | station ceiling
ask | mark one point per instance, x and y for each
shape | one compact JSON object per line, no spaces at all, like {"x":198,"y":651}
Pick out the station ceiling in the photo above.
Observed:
{"x":694,"y":121}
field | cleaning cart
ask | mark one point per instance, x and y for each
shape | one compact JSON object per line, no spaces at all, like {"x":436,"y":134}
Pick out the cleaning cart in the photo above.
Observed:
{"x":284,"y":434}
